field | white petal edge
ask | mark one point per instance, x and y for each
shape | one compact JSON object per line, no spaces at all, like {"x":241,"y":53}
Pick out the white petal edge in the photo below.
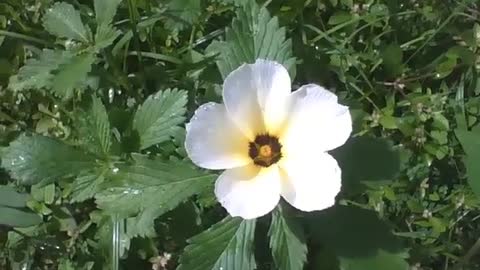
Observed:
{"x":213,"y":141}
{"x":311,"y":183}
{"x":317,"y":122}
{"x":256,"y":96}
{"x":250,"y":191}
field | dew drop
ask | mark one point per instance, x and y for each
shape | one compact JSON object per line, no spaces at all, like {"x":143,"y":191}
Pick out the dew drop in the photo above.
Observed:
{"x":21,"y":158}
{"x":111,"y":94}
{"x":115,"y":170}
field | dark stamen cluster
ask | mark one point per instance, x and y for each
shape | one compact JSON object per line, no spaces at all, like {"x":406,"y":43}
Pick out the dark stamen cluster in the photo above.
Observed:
{"x":263,"y":140}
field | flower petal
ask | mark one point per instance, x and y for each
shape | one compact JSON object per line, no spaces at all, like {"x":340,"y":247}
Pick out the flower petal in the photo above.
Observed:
{"x":213,"y":141}
{"x":249,"y":191}
{"x":317,"y":122}
{"x":310,"y":183}
{"x":256,"y":96}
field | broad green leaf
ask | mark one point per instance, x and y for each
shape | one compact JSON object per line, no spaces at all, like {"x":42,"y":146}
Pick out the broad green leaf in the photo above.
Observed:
{"x":365,"y":159}
{"x":151,"y":188}
{"x":182,"y":13}
{"x":64,"y":21}
{"x":470,"y":141}
{"x":105,"y":10}
{"x":157,"y":119}
{"x":86,"y":187}
{"x":253,"y":35}
{"x":351,"y":231}
{"x":33,"y":159}
{"x":11,"y":198}
{"x":392,"y":57}
{"x":226,"y":245}
{"x":105,"y":36}
{"x":94,"y":128}
{"x":14,"y":217}
{"x":37,"y":73}
{"x":382,"y":260}
{"x":72,"y":74}
{"x":287,"y":242}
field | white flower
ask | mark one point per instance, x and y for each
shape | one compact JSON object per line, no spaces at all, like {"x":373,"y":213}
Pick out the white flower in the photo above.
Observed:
{"x":270,"y":141}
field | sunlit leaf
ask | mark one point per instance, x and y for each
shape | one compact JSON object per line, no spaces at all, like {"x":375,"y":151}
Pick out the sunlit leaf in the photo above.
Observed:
{"x":287,"y":241}
{"x":72,"y":74}
{"x":63,"y":20}
{"x":14,"y":217}
{"x":94,"y":128}
{"x":151,"y":188}
{"x":470,"y":141}
{"x":33,"y":159}
{"x":157,"y":119}
{"x":226,"y":245}
{"x":253,"y":35}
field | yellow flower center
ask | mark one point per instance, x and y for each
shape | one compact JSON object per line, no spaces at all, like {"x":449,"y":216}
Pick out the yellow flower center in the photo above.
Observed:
{"x":265,"y":150}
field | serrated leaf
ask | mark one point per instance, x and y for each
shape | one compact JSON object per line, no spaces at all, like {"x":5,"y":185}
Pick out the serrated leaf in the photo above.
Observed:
{"x":94,"y":128}
{"x":11,"y":198}
{"x":86,"y":187}
{"x":33,"y":159}
{"x":18,"y":218}
{"x":151,"y":188}
{"x":63,"y":20}
{"x":105,"y":36}
{"x":287,"y":242}
{"x":37,"y":73}
{"x":470,"y":141}
{"x":182,"y":13}
{"x":72,"y":74}
{"x":157,"y":119}
{"x":226,"y":245}
{"x":253,"y":35}
{"x":105,"y":10}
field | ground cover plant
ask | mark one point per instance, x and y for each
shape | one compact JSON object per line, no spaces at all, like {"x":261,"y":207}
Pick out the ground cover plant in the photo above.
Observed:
{"x":95,"y":96}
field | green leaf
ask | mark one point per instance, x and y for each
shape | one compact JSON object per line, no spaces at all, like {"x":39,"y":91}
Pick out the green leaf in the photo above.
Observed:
{"x":105,"y":36}
{"x":63,"y":20}
{"x":33,"y":159}
{"x":366,"y":159}
{"x":86,"y":187}
{"x":11,"y":198}
{"x":105,"y":10}
{"x":182,"y":13}
{"x":470,"y":141}
{"x":253,"y":35}
{"x":72,"y":74}
{"x":157,"y":119}
{"x":351,"y":231}
{"x":380,"y":261}
{"x":388,"y":122}
{"x":392,"y":57}
{"x":37,"y":73}
{"x":94,"y":128}
{"x":226,"y":245}
{"x":151,"y":188}
{"x":287,"y":242}
{"x":18,"y":218}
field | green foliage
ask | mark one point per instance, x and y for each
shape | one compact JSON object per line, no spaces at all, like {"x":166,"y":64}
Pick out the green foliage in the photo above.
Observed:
{"x":37,"y":73}
{"x":152,"y":188}
{"x":471,"y":145}
{"x":63,"y":20}
{"x":226,"y":245}
{"x":94,"y":128}
{"x":253,"y":34}
{"x":110,"y":162}
{"x":38,"y":159}
{"x":72,"y":75}
{"x":157,"y":118}
{"x":12,"y":212}
{"x":287,"y":241}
